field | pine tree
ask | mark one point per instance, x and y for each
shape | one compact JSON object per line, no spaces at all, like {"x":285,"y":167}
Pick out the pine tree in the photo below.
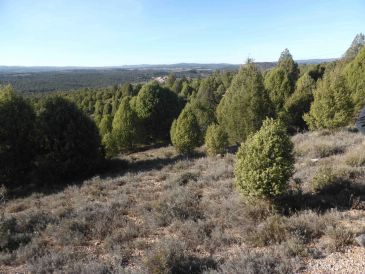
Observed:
{"x":280,"y":81}
{"x":69,"y":141}
{"x":299,"y":102}
{"x":216,"y":140}
{"x":185,"y":132}
{"x":157,"y":107}
{"x":332,"y":106}
{"x":204,"y":116}
{"x":245,"y":105}
{"x":105,"y":125}
{"x":355,"y":78}
{"x":125,"y":133}
{"x":17,"y":140}
{"x":356,"y":46}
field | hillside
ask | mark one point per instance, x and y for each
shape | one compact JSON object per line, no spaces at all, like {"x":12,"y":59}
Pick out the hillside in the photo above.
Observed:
{"x":48,"y":79}
{"x":167,"y":212}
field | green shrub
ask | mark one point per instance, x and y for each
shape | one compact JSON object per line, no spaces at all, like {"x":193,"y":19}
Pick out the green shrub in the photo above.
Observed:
{"x":265,"y":162}
{"x":185,"y":132}
{"x":17,"y":140}
{"x":216,"y":140}
{"x":69,"y":141}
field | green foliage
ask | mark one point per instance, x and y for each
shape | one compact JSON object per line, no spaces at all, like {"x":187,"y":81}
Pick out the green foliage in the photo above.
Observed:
{"x":207,"y":93}
{"x":216,"y":140}
{"x":105,"y":125}
{"x":355,"y":76}
{"x":356,"y":46}
{"x":69,"y":142}
{"x":185,"y":132}
{"x":287,"y":63}
{"x":280,"y":81}
{"x":16,"y":136}
{"x":265,"y":162}
{"x":245,"y":104}
{"x":125,"y":128}
{"x":127,"y":90}
{"x":157,"y":107}
{"x":332,"y":106}
{"x":299,"y":102}
{"x":171,"y":78}
{"x":204,"y":116}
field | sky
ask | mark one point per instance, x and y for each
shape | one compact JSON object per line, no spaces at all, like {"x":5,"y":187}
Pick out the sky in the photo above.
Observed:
{"x":126,"y":32}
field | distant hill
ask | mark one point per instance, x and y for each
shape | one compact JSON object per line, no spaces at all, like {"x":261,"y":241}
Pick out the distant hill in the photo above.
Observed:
{"x":48,"y":78}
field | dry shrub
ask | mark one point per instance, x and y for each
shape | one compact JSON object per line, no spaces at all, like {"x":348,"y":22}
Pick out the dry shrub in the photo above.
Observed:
{"x":355,"y":157}
{"x":306,"y":226}
{"x":255,"y":263}
{"x":181,"y":203}
{"x":340,"y":237}
{"x":329,"y":179}
{"x":271,"y":231}
{"x":318,"y":149}
{"x":170,"y":256}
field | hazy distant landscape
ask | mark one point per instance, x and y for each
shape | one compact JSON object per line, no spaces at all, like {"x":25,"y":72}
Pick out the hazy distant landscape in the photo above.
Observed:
{"x":173,"y":137}
{"x":46,"y":79}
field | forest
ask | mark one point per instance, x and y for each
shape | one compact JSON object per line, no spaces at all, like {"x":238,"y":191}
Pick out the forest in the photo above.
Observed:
{"x":260,"y":128}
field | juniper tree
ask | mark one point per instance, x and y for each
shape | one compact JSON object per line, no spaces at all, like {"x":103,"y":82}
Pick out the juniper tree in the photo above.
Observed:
{"x":245,"y":105}
{"x":17,"y":140}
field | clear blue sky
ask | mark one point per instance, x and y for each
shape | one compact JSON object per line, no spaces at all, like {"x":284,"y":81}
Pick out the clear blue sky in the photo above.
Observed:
{"x":118,"y":32}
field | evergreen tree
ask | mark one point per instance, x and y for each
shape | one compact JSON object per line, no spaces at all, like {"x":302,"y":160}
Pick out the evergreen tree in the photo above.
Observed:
{"x":280,"y":81}
{"x":299,"y":102}
{"x":356,"y":46}
{"x":16,"y":136}
{"x":355,"y":77}
{"x":265,"y":162}
{"x":332,"y":106}
{"x":207,"y":92}
{"x":69,"y":142}
{"x":185,"y":132}
{"x":245,"y":104}
{"x":171,"y":78}
{"x":105,"y":125}
{"x":125,"y":128}
{"x":157,"y":107}
{"x":216,"y":140}
{"x":127,"y":90}
{"x":204,"y":116}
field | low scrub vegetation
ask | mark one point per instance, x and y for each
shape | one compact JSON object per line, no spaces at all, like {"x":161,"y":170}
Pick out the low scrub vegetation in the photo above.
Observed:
{"x":178,"y":215}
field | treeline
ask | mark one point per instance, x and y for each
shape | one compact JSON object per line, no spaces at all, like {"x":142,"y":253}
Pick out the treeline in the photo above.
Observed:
{"x":73,"y":79}
{"x":68,"y":134}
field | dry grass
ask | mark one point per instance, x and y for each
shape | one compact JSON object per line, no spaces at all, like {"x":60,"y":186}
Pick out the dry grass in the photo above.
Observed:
{"x":171,"y":214}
